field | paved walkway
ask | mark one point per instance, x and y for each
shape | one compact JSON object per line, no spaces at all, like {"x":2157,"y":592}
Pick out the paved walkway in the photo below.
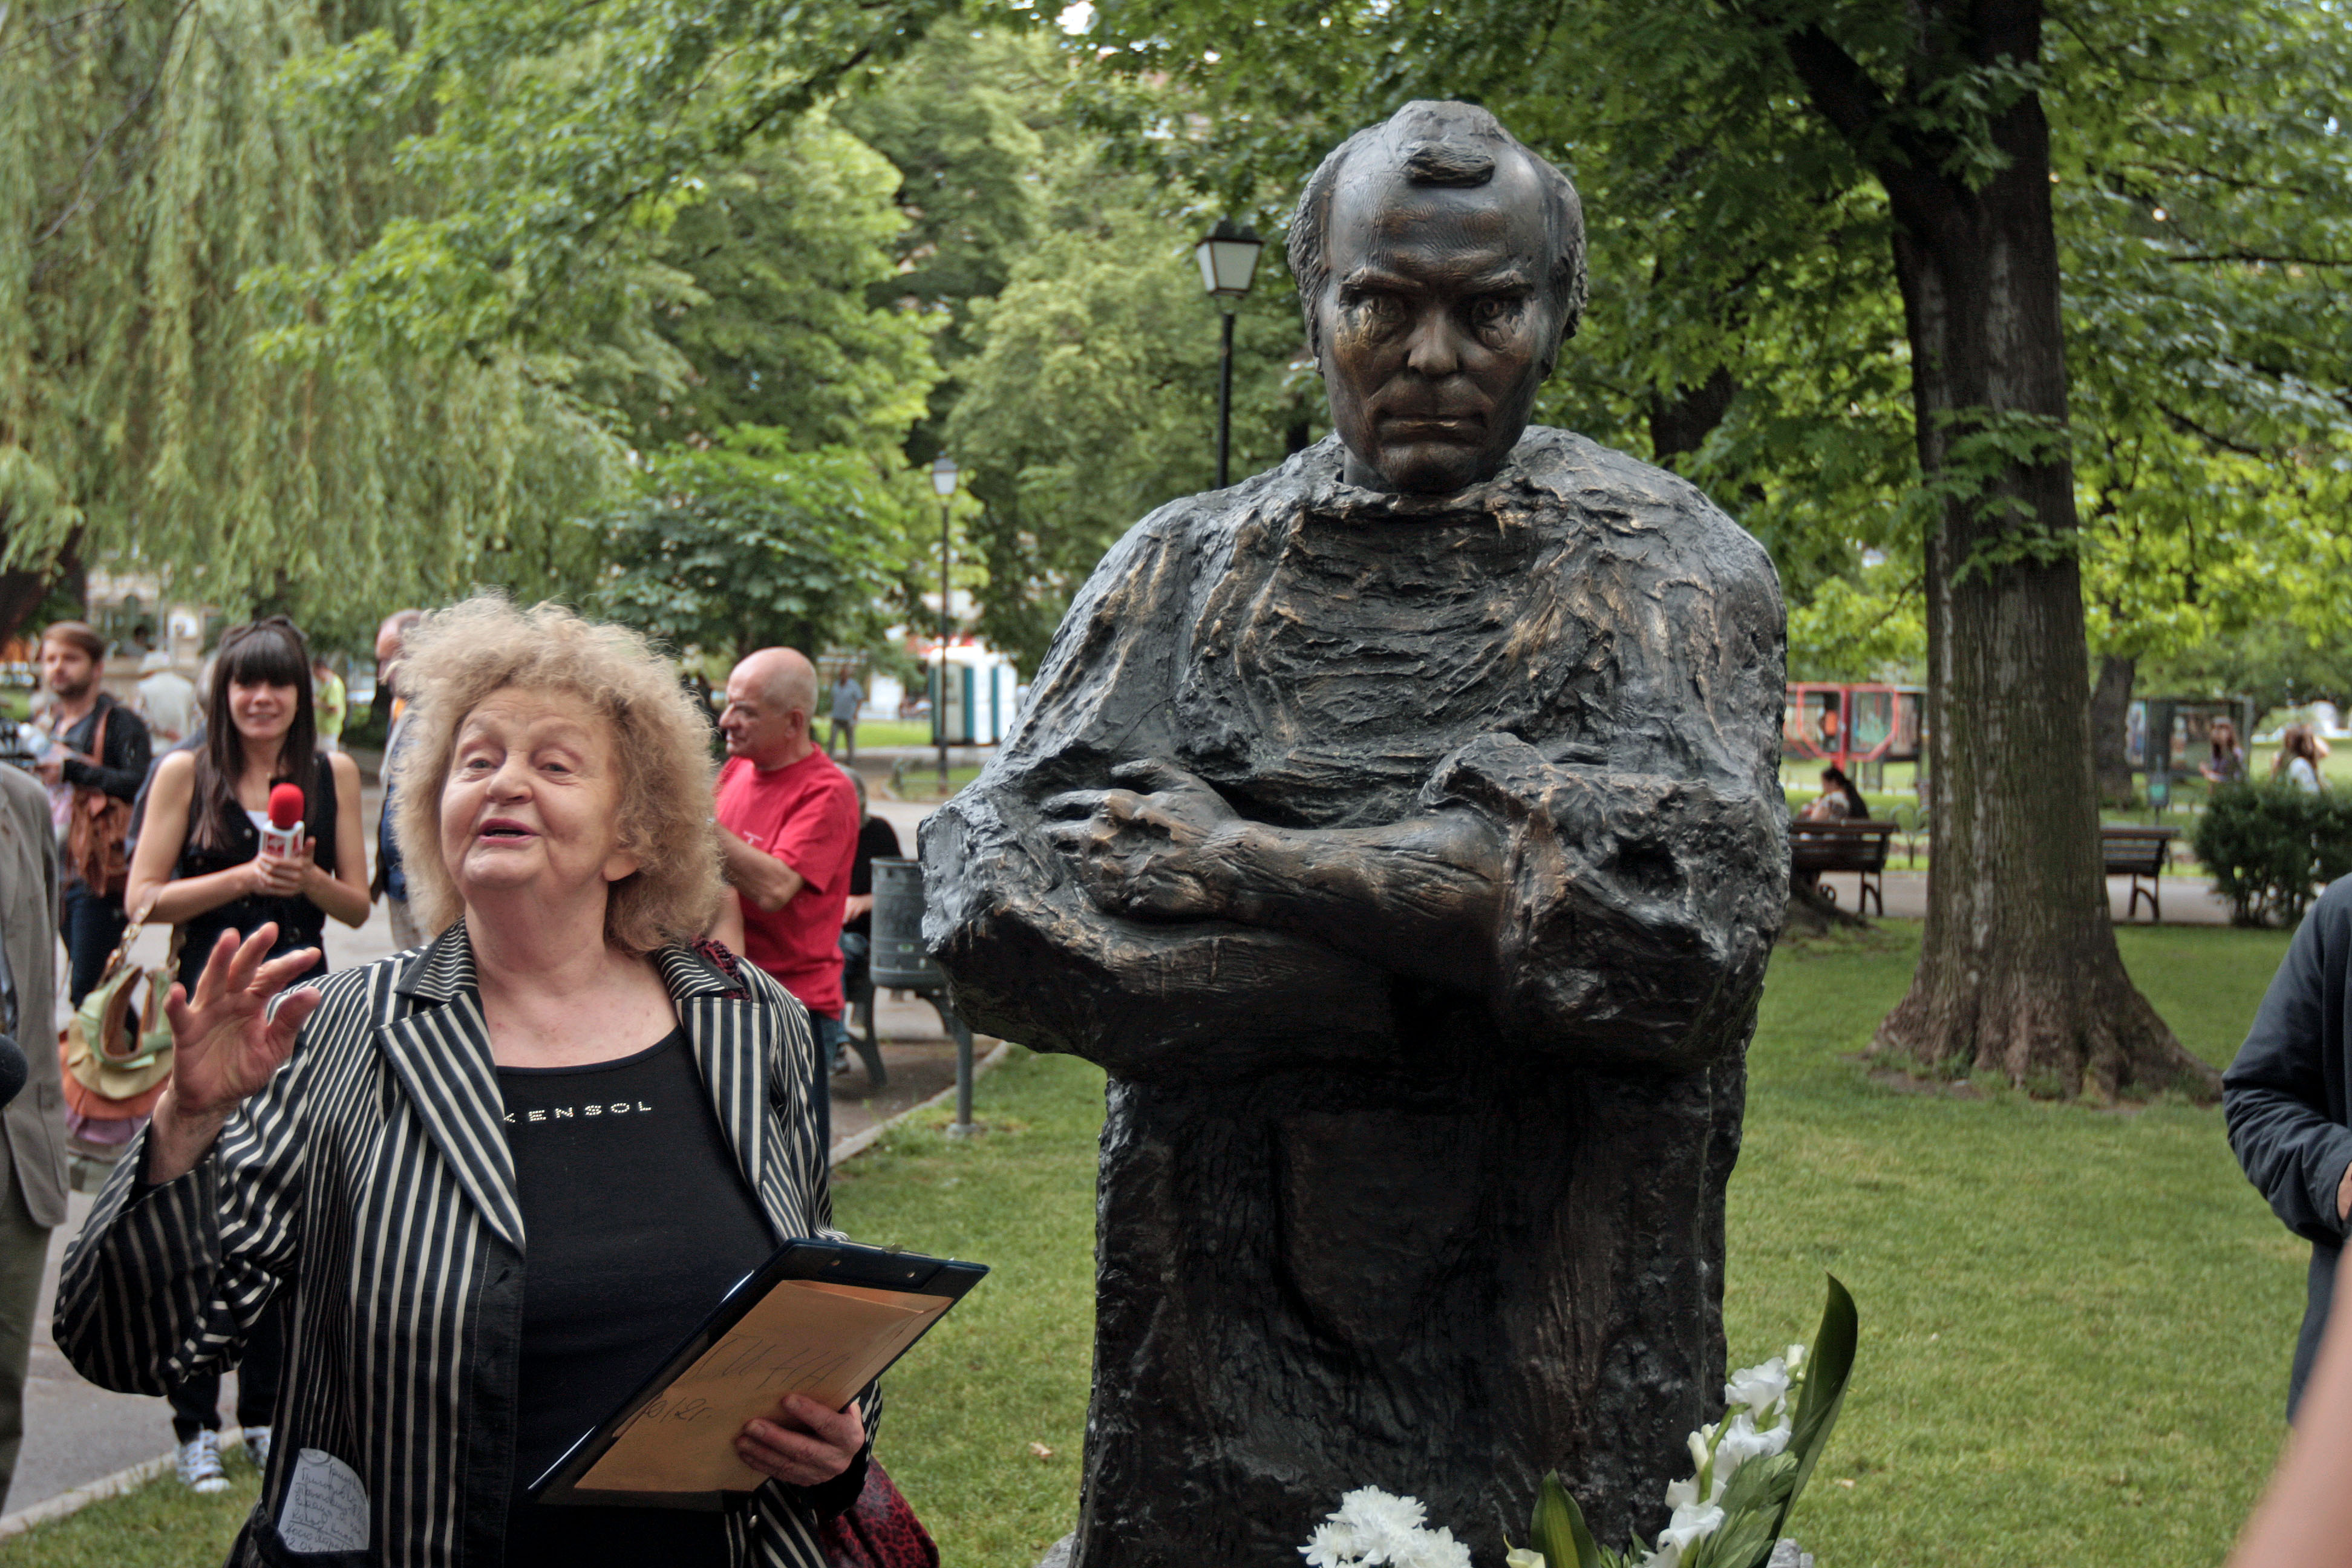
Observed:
{"x":76,"y":1433}
{"x":2187,"y":899}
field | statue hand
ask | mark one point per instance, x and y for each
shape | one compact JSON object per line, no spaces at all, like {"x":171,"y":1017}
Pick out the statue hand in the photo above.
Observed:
{"x":1161,"y":855}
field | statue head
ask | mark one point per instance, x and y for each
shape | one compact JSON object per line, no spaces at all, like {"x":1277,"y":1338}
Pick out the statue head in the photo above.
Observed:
{"x":1441,"y":265}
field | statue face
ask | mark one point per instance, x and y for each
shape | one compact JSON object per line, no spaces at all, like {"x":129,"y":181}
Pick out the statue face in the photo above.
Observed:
{"x":1436,"y":325}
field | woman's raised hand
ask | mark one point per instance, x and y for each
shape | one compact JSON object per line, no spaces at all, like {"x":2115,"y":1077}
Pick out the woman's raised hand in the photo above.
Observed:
{"x":225,"y":1044}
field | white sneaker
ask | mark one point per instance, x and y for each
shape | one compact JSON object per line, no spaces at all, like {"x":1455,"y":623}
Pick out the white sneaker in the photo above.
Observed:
{"x":199,"y":1466}
{"x":256,"y":1445}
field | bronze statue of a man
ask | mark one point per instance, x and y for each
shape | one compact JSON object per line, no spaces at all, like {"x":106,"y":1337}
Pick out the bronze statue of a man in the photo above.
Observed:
{"x":1401,"y":829}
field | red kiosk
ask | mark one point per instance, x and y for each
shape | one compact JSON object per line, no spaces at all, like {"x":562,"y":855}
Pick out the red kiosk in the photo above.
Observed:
{"x":1856,"y":724}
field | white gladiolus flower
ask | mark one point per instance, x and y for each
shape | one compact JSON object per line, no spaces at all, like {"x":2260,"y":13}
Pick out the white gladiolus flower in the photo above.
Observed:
{"x":1682,"y":1494}
{"x":1794,"y":1356}
{"x":1742,"y":1443}
{"x":1759,"y":1387}
{"x":1526,"y":1557}
{"x":1665,"y":1557}
{"x":1690,"y":1523}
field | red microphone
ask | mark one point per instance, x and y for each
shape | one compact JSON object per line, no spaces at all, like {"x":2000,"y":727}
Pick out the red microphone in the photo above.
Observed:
{"x":284,"y":833}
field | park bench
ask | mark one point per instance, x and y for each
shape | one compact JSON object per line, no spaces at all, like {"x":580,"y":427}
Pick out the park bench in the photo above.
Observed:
{"x":1857,"y":846}
{"x":2138,"y":853}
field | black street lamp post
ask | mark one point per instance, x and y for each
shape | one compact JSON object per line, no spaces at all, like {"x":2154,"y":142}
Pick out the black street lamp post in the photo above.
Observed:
{"x":943,"y":485}
{"x":1228,"y":258}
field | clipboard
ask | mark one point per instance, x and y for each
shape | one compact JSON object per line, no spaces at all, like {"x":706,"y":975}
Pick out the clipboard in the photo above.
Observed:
{"x":820,"y":1318}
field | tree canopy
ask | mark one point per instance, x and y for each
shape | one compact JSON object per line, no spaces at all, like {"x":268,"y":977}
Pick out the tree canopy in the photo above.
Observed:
{"x":147,"y":168}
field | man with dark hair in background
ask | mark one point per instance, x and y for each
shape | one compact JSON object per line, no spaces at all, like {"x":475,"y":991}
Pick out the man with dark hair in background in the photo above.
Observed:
{"x":100,"y":745}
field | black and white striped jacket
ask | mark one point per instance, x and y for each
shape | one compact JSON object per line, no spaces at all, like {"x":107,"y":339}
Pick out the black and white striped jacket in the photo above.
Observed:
{"x":373,"y":1180}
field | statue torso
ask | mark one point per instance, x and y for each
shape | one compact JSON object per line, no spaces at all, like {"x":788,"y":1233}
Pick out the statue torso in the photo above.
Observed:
{"x":1343,"y":650}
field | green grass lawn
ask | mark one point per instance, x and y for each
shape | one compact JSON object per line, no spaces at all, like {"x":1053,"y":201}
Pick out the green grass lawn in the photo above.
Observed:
{"x":894,"y":732}
{"x":2076,"y":1321}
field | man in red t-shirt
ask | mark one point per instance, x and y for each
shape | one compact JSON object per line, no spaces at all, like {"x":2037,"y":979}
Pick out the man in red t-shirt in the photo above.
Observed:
{"x":789,"y":817}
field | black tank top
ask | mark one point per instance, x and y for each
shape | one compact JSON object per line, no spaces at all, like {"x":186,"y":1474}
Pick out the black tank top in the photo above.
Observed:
{"x":301,"y":922}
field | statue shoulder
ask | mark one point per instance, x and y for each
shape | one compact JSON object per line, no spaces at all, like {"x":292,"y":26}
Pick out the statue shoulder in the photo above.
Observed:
{"x":1191,"y":539}
{"x":1688,"y":531}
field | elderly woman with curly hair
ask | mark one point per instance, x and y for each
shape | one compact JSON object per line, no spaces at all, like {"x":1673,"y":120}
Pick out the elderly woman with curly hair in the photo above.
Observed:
{"x":499,"y":1176}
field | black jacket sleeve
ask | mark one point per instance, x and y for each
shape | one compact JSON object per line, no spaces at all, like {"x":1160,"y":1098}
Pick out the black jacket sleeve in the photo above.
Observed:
{"x":2285,"y":1096}
{"x":123,"y":768}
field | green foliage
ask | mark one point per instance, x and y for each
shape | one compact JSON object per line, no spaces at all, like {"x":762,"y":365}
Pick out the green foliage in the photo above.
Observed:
{"x":975,"y":121}
{"x":1745,"y":325}
{"x":1558,"y":1530}
{"x":549,"y":133}
{"x":2206,"y":240}
{"x":751,"y":545}
{"x":2274,"y":661}
{"x":1079,"y":353}
{"x":1870,"y":624}
{"x":2270,"y":847}
{"x":1093,"y":399}
{"x":148,"y":169}
{"x":774,"y":253}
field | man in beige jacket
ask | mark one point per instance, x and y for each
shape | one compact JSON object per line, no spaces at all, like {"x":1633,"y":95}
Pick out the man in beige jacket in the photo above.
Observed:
{"x":32,"y":1130}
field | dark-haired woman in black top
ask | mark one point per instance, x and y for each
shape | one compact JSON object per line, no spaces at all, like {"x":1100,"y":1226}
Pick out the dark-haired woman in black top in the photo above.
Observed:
{"x":201,"y":862}
{"x":200,"y":857}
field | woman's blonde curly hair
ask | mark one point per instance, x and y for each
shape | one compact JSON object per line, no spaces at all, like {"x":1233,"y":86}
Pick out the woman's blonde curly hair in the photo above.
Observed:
{"x":661,"y":740}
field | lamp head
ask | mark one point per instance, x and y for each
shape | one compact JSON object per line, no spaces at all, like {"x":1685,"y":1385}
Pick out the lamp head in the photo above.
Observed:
{"x":943,"y":476}
{"x":1228,"y":258}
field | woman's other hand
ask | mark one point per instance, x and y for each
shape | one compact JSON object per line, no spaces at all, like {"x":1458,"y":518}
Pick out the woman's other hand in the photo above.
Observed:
{"x":224,"y":1045}
{"x":804,"y":1444}
{"x":278,"y":875}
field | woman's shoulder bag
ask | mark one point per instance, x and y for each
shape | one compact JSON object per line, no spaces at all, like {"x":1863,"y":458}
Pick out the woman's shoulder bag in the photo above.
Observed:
{"x":117,"y":1047}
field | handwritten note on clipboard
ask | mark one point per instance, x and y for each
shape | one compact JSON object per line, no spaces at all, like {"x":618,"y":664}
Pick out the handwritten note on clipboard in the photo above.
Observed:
{"x":820,"y":1318}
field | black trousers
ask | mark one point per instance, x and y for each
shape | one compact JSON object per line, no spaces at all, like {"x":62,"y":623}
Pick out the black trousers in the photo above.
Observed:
{"x":195,"y":1404}
{"x":92,"y":926}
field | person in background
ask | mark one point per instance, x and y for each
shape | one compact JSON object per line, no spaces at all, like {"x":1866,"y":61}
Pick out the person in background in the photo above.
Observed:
{"x":788,"y":820}
{"x":201,"y":864}
{"x":848,"y":696}
{"x":84,"y":721}
{"x":2227,"y":764}
{"x":167,"y":700}
{"x":877,"y":840}
{"x":32,"y":1130}
{"x":391,"y":882}
{"x":2287,"y":1101}
{"x":1837,"y":802}
{"x":329,"y":700}
{"x":477,"y":1280}
{"x":2298,"y":759}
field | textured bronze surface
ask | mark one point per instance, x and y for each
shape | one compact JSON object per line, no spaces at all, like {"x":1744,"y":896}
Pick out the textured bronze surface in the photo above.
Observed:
{"x":1409,"y":858}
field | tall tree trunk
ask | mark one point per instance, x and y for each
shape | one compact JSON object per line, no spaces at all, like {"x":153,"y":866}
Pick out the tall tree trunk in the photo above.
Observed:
{"x":20,"y":596}
{"x":21,"y":591}
{"x":2018,"y":972}
{"x":1682,"y":417}
{"x":2110,"y":709}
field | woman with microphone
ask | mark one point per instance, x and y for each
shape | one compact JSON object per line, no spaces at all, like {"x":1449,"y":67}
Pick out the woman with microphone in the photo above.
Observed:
{"x":206,"y":855}
{"x":213,"y":858}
